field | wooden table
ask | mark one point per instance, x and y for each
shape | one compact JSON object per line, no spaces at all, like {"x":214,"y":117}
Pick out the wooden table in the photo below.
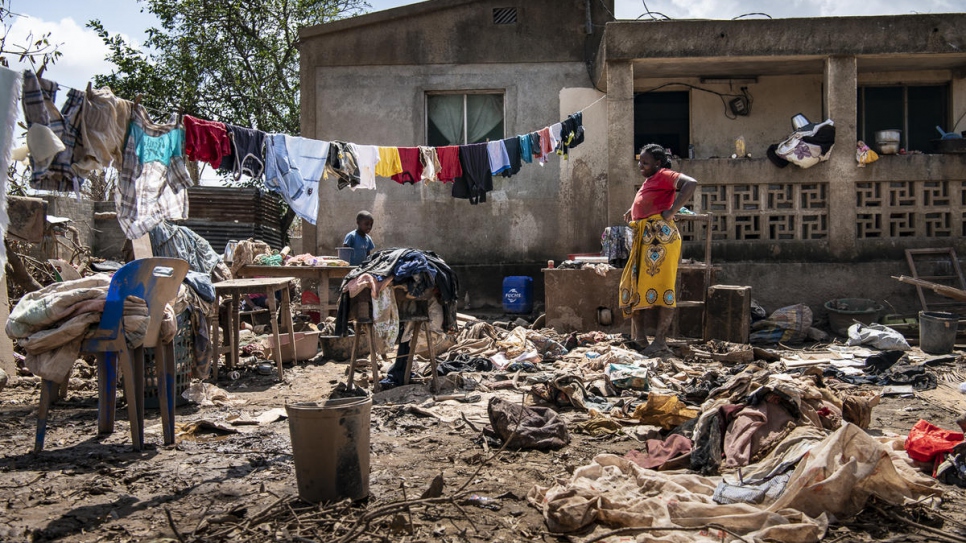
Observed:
{"x":322,"y":274}
{"x":235,"y":288}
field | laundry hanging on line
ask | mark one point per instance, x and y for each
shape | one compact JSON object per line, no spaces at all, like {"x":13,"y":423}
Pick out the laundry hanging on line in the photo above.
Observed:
{"x":95,"y":127}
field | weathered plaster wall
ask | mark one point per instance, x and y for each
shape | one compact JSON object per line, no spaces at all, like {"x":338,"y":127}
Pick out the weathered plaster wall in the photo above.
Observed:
{"x":779,"y":284}
{"x":541,"y":213}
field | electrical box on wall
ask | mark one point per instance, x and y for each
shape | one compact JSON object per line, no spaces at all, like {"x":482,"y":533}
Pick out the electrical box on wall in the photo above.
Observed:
{"x":739,"y":106}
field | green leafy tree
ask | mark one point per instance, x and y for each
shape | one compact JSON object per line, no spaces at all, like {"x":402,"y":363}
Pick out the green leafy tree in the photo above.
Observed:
{"x":38,"y":51}
{"x":229,"y":60}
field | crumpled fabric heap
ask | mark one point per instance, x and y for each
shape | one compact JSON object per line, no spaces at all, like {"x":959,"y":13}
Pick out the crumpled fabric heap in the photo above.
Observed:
{"x":526,"y":427}
{"x":52,"y":323}
{"x":835,"y":478}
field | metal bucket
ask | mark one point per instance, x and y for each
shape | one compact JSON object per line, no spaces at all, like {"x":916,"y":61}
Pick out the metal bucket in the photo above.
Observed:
{"x":330,"y":443}
{"x":937,"y":331}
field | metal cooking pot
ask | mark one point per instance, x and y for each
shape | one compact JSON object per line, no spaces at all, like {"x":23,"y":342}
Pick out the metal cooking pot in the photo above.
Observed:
{"x":799,"y":122}
{"x":888,"y":136}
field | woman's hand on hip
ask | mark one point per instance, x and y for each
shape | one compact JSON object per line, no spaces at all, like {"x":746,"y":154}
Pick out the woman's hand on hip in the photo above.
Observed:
{"x":668,"y":214}
{"x":627,"y":216}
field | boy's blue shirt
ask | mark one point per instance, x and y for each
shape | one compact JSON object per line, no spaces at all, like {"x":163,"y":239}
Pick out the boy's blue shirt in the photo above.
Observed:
{"x":361,"y":246}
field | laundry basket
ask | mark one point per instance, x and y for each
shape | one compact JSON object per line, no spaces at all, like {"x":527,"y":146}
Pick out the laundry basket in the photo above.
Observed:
{"x":183,"y":359}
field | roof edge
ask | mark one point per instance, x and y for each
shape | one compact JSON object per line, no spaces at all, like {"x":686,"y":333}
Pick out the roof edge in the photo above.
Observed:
{"x":376,"y":17}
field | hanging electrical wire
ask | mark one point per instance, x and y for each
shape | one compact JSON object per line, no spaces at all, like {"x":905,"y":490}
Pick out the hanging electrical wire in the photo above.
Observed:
{"x":750,"y":14}
{"x":653,"y":14}
{"x":731,"y":109}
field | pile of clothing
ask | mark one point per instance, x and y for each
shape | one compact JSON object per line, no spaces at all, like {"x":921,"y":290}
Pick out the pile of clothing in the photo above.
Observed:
{"x":792,"y":451}
{"x":52,"y":323}
{"x":421,"y":275}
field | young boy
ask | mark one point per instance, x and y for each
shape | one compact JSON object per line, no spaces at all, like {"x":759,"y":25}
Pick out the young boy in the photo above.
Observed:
{"x":359,"y":238}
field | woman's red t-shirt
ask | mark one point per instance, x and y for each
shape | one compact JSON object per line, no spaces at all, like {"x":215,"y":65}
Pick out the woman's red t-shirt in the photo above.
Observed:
{"x":656,"y":194}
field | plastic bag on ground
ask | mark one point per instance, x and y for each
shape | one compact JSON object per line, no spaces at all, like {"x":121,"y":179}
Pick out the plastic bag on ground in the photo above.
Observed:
{"x":877,"y":336}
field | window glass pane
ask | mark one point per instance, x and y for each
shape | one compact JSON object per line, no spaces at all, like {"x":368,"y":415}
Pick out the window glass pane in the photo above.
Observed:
{"x":662,"y":118}
{"x":883,"y":111}
{"x":484,"y":117}
{"x":927,"y":110}
{"x":445,"y":119}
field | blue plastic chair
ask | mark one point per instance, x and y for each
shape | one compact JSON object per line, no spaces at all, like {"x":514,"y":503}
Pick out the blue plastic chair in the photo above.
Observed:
{"x":156,"y":281}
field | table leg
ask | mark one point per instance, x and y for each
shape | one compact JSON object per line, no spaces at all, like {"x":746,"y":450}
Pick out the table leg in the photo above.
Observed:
{"x":235,"y":327}
{"x":373,"y":361}
{"x":287,"y":315}
{"x":323,"y":294}
{"x":352,"y":359}
{"x":412,"y":351}
{"x":215,"y":340}
{"x":428,"y":330}
{"x":272,"y":308}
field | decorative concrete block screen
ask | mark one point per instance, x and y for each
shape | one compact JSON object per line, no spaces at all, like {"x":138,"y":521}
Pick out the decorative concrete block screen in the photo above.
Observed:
{"x":763,"y":211}
{"x":910,"y":209}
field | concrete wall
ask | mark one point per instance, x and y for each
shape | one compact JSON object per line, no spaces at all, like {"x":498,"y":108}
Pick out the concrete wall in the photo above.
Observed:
{"x":109,"y":239}
{"x":543,"y":212}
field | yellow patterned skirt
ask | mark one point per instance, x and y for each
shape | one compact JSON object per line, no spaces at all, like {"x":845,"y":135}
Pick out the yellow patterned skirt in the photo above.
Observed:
{"x":651,"y":271}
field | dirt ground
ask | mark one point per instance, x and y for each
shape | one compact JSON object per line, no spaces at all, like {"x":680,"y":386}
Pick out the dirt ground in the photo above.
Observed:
{"x":242,"y":487}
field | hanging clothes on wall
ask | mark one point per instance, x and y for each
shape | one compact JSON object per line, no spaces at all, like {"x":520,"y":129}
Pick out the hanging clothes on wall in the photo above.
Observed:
{"x":51,"y":135}
{"x":571,"y":134}
{"x":526,"y":149}
{"x":512,"y":146}
{"x":368,"y":157}
{"x":430,"y":162}
{"x":342,"y":163}
{"x":247,"y":152}
{"x":499,"y":159}
{"x":153,"y":177}
{"x":411,"y":165}
{"x":206,"y":141}
{"x":477,"y":179}
{"x":105,"y":120}
{"x":389,"y":163}
{"x":293,"y":168}
{"x":450,"y":167}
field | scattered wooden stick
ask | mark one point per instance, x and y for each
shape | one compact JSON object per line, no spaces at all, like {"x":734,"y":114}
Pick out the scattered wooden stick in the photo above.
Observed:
{"x":467,"y":421}
{"x":167,"y":513}
{"x":643,"y":529}
{"x":934,"y":532}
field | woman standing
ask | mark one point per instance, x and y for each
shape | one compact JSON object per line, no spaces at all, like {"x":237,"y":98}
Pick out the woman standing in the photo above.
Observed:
{"x":650,"y":274}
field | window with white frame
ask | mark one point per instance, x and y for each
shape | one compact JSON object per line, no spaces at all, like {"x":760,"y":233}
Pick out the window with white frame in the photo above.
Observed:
{"x":460,"y":118}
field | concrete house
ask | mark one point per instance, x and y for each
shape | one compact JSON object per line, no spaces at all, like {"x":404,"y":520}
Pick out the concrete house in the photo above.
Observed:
{"x":397,"y":77}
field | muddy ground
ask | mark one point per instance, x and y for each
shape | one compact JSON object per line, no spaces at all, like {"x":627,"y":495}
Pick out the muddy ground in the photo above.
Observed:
{"x":242,"y":487}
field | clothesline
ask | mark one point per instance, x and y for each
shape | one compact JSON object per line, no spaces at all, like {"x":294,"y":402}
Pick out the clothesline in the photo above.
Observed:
{"x":97,"y":129}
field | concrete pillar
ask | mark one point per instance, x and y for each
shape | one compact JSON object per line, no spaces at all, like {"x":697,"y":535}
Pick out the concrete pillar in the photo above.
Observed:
{"x":840,"y":106}
{"x":307,"y":116}
{"x":620,"y":140}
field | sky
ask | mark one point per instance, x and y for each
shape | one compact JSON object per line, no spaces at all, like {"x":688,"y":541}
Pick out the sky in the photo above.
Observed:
{"x":83,"y":51}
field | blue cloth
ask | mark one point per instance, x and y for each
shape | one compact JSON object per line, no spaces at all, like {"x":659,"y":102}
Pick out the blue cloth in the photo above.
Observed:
{"x":526,"y":150}
{"x":182,"y":242}
{"x":361,"y":246}
{"x":158,"y":148}
{"x":201,"y":283}
{"x":413,"y":263}
{"x":293,"y":167}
